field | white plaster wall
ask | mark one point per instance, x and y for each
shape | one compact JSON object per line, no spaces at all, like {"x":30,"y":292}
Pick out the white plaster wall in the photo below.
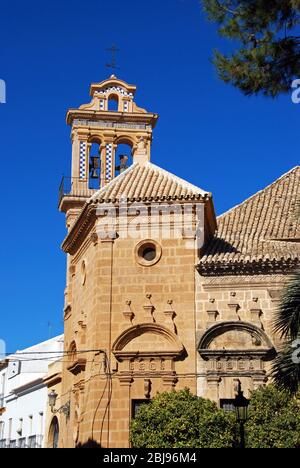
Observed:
{"x":25,"y":396}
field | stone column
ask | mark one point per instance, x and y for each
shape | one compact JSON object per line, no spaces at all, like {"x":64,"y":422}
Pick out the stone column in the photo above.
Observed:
{"x":213,"y":388}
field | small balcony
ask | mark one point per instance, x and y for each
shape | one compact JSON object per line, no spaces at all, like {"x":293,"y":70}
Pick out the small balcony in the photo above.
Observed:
{"x":35,"y":441}
{"x":4,"y":443}
{"x":76,"y":188}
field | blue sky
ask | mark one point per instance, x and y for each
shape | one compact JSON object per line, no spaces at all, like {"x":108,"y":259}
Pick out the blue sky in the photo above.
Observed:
{"x":208,"y":132}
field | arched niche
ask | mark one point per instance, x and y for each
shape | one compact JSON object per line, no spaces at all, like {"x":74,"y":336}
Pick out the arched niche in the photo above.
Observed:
{"x":148,"y":347}
{"x":232,"y":337}
{"x":77,"y":362}
{"x":72,"y":351}
{"x":234,"y":351}
{"x":53,"y":434}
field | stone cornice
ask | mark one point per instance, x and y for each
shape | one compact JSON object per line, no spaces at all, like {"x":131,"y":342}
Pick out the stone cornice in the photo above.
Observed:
{"x":85,"y":221}
{"x":88,"y":114}
{"x":262,"y":353}
{"x":240,"y":282}
{"x":254,"y":267}
{"x":87,"y":217}
{"x":129,"y":355}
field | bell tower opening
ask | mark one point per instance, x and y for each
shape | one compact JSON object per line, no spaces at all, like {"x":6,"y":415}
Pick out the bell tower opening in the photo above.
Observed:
{"x":94,"y":165}
{"x":113,"y":103}
{"x":123,"y":157}
{"x":109,"y":134}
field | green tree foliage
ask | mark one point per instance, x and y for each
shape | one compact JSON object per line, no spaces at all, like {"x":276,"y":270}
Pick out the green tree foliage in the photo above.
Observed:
{"x":182,"y":420}
{"x":274,"y":420}
{"x":267,"y":58}
{"x":286,"y":368}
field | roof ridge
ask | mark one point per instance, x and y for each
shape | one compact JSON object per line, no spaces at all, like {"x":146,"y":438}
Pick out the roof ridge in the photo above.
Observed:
{"x":172,"y":178}
{"x":258,"y":192}
{"x":178,"y":179}
{"x":112,"y":182}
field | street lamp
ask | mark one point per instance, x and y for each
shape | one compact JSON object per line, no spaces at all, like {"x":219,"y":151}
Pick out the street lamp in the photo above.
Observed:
{"x":241,"y":409}
{"x":65,"y":409}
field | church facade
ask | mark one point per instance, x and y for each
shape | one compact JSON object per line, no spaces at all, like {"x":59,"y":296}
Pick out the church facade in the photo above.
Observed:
{"x":160,"y":294}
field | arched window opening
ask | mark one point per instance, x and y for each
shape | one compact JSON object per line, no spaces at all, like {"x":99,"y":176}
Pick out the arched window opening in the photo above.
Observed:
{"x":95,"y":166}
{"x":53,"y":433}
{"x":123,"y":157}
{"x":113,"y":103}
{"x":72,"y":353}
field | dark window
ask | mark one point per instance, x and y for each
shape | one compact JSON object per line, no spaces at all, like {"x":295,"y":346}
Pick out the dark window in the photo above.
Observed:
{"x":53,"y":433}
{"x":32,"y":442}
{"x":149,"y":254}
{"x":136,"y":404}
{"x":22,"y":442}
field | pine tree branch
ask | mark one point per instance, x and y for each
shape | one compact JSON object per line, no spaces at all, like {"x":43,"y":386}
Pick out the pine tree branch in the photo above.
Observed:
{"x":226,"y":9}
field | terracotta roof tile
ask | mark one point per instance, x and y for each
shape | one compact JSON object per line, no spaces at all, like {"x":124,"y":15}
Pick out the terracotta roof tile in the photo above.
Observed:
{"x":147,"y":181}
{"x":265,"y":227}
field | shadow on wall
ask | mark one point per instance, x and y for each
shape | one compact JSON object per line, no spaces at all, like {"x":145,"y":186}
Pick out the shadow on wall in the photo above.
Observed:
{"x":89,"y":444}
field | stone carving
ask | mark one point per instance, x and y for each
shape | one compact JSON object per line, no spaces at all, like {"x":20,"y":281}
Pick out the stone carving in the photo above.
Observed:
{"x":147,"y":388}
{"x":128,"y":314}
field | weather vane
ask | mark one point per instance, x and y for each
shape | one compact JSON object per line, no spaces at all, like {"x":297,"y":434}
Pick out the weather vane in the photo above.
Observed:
{"x":113,"y":50}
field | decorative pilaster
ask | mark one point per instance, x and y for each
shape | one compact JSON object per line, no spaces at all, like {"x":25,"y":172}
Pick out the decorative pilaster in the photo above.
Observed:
{"x":125,"y":381}
{"x":212,"y":317}
{"x":109,"y":237}
{"x":170,"y":314}
{"x":233,"y":311}
{"x":128,"y":314}
{"x":213,"y":387}
{"x":255,"y":316}
{"x":82,"y":160}
{"x":169,"y":381}
{"x":149,"y":309}
{"x":109,"y":162}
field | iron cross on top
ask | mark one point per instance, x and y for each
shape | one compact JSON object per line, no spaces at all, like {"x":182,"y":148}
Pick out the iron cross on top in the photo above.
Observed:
{"x":113,"y":50}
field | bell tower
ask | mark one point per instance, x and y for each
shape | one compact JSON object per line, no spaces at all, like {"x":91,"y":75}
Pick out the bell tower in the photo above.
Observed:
{"x":98,"y":129}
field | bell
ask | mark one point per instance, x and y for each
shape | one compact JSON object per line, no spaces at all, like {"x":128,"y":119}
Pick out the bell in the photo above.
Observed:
{"x":94,"y":174}
{"x":123,"y":163}
{"x":95,"y":162}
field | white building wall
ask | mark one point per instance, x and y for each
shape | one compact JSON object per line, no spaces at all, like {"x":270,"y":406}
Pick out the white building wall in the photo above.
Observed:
{"x":25,"y":395}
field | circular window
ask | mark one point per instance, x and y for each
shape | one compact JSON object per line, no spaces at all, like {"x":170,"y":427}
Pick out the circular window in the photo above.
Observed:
{"x":148,"y":252}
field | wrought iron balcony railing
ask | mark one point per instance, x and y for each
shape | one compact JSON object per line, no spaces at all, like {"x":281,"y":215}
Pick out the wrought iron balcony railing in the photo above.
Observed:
{"x":76,"y":187}
{"x":35,"y":441}
{"x":4,"y":443}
